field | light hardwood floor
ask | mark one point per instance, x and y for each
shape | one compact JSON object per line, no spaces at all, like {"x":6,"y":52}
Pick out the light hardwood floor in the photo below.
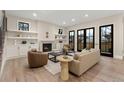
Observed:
{"x":108,"y":69}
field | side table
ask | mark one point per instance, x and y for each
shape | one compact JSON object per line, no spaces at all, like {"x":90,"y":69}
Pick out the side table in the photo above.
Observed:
{"x":64,"y":66}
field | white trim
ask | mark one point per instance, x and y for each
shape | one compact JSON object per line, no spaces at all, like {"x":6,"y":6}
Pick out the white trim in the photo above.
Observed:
{"x":118,"y":57}
{"x":18,"y":31}
{"x":15,"y":57}
{"x":27,"y":38}
{"x":47,"y":41}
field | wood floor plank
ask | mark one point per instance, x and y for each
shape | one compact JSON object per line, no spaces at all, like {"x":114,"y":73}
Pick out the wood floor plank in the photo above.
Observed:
{"x":107,"y":70}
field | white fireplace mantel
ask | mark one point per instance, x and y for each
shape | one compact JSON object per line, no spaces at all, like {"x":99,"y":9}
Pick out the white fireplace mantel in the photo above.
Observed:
{"x":55,"y":44}
{"x":45,"y":41}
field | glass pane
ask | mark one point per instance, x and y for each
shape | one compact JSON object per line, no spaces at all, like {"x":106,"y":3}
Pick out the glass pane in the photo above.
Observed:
{"x":71,"y":33}
{"x":91,"y":32}
{"x":80,"y":40}
{"x":106,"y":44}
{"x":79,"y":32}
{"x":89,"y":38}
{"x":71,"y":39}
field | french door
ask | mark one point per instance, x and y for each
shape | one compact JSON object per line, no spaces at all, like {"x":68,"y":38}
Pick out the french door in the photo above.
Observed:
{"x":72,"y":39}
{"x":90,"y":38}
{"x":85,"y":38}
{"x":80,"y":40}
{"x":106,"y":40}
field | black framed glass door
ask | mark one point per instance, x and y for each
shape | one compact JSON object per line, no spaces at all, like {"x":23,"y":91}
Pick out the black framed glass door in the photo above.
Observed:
{"x":72,"y":39}
{"x":80,"y":40}
{"x":90,"y":38}
{"x":106,"y":40}
{"x":85,"y":38}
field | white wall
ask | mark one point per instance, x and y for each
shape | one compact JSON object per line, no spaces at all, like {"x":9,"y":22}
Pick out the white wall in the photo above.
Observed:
{"x":12,"y":23}
{"x":117,"y":20}
{"x":123,"y":37}
{"x":38,"y":26}
{"x":43,"y":27}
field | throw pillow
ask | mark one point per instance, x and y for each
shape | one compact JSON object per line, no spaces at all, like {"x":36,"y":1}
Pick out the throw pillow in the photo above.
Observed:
{"x":83,"y":51}
{"x":34,"y":50}
{"x":76,"y":56}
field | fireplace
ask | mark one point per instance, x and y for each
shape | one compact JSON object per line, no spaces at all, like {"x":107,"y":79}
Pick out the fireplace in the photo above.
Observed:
{"x":47,"y":47}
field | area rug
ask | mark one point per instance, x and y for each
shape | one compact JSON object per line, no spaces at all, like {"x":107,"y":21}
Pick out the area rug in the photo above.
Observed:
{"x":52,"y":67}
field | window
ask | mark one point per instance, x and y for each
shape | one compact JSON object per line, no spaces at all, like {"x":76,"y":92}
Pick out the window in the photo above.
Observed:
{"x":23,"y":26}
{"x":85,"y":38}
{"x":72,"y":39}
{"x":106,"y":40}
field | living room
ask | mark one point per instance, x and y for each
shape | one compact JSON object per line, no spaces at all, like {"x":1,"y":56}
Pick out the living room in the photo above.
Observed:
{"x":89,"y":45}
{"x":59,"y":46}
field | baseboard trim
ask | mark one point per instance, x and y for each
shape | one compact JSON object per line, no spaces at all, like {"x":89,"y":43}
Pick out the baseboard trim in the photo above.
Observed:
{"x":15,"y":57}
{"x":118,"y":57}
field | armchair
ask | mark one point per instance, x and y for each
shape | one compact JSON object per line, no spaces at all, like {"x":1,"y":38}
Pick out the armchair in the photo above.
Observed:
{"x":37,"y":59}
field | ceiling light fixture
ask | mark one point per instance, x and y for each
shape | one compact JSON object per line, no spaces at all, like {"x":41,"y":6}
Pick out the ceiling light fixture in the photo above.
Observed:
{"x":86,"y":15}
{"x":34,"y":14}
{"x":73,"y":20}
{"x":64,"y":22}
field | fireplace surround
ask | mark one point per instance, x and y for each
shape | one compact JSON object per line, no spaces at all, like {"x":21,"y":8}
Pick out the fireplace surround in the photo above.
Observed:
{"x":47,"y":47}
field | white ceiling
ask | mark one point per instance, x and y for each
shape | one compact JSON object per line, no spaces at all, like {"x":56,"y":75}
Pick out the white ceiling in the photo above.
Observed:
{"x":59,"y":16}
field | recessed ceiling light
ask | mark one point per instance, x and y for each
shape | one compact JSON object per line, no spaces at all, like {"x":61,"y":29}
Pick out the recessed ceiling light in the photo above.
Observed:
{"x":72,"y":19}
{"x":34,"y":14}
{"x":64,"y":22}
{"x":86,"y":15}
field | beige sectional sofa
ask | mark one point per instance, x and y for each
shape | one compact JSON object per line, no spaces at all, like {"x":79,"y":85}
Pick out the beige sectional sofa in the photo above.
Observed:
{"x":84,"y":61}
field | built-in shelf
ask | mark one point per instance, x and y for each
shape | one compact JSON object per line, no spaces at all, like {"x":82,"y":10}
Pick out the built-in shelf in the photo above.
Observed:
{"x":15,"y":42}
{"x":60,"y":35}
{"x":21,"y":35}
{"x":18,"y":31}
{"x":60,"y":39}
{"x":28,"y":38}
